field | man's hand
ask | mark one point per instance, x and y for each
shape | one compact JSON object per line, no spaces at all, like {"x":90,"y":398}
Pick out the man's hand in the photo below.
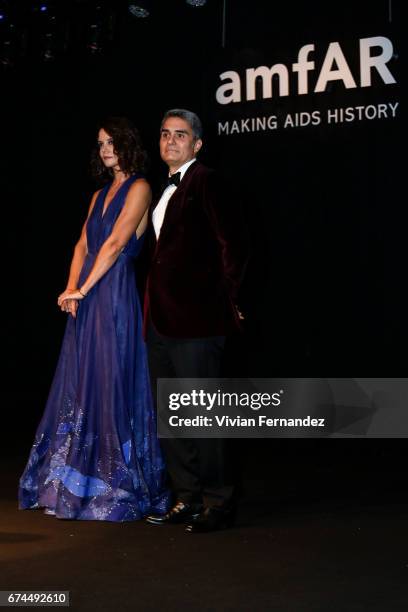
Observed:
{"x":239,"y":313}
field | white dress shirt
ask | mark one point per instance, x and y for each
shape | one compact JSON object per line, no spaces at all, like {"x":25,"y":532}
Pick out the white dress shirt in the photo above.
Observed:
{"x":160,"y":210}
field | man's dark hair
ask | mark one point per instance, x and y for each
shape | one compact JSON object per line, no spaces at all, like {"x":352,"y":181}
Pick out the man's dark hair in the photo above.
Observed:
{"x":127,"y":145}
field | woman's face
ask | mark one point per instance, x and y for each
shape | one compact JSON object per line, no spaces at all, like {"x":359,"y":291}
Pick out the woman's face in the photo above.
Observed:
{"x":105,"y":142}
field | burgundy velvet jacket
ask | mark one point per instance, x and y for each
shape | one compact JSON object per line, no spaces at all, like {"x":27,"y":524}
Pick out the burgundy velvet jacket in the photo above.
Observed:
{"x":198,"y":262}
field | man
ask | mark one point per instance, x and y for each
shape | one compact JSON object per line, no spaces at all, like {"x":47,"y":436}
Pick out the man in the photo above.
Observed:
{"x":190,"y":306}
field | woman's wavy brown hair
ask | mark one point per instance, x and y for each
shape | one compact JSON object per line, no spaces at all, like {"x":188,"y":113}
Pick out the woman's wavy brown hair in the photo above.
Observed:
{"x":127,"y":145}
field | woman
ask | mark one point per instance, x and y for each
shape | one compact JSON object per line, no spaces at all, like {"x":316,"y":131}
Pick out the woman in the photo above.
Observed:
{"x":96,"y":455}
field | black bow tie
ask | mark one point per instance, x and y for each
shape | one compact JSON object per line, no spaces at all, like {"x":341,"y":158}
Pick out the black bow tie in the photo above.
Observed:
{"x":174,"y":179}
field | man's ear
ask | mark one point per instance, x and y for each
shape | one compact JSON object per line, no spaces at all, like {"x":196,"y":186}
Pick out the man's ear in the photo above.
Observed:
{"x":197,"y":145}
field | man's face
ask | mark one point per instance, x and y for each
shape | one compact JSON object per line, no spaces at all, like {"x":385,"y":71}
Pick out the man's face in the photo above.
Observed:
{"x":177,"y":143}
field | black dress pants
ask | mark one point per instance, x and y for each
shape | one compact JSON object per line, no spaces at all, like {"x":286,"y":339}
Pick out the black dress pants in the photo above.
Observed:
{"x":199,"y":469}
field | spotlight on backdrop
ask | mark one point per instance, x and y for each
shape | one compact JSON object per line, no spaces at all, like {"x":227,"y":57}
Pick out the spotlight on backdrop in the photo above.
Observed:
{"x":142,"y":8}
{"x":46,"y":30}
{"x":94,"y":43}
{"x":196,"y":2}
{"x":101,"y":28}
{"x":41,"y":7}
{"x":95,"y":37}
{"x":4,"y":13}
{"x":8,"y":54}
{"x":12,"y":36}
{"x":50,"y":40}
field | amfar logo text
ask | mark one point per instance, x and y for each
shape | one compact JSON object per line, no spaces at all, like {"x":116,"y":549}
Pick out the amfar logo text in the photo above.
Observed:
{"x":334,"y":68}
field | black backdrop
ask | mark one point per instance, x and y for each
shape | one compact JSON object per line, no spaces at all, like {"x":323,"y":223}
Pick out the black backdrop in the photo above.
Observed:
{"x":325,"y":292}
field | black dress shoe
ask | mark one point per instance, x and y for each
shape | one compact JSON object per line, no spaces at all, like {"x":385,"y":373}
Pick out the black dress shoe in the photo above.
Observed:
{"x":180,"y":513}
{"x":212,"y":519}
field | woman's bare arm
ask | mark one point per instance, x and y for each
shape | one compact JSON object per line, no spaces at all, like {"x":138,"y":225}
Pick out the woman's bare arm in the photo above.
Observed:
{"x":133,"y":213}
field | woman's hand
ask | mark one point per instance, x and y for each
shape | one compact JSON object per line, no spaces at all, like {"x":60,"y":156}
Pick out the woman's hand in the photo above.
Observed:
{"x":70,"y":307}
{"x":68,"y":301}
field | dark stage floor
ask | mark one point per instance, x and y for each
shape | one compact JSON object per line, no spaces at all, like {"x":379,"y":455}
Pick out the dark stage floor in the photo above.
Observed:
{"x":315,"y":533}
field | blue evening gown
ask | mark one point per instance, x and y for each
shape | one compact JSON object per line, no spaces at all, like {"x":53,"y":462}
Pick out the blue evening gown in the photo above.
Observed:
{"x":96,"y":455}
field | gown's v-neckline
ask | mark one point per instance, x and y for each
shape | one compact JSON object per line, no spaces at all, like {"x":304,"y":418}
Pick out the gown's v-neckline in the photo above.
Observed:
{"x":105,"y":210}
